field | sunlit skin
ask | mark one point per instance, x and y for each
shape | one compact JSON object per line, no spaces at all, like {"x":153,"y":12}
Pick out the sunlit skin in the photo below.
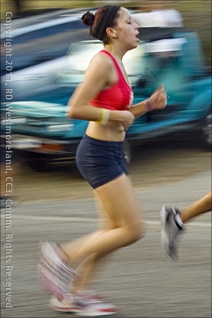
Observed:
{"x":101,"y":74}
{"x":121,"y":218}
{"x":198,"y":207}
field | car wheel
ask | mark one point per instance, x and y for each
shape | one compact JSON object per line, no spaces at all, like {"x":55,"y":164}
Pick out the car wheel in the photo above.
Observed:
{"x":37,"y":163}
{"x":207,"y":131}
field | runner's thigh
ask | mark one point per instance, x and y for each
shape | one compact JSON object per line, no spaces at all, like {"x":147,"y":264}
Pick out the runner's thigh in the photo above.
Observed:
{"x":119,"y":202}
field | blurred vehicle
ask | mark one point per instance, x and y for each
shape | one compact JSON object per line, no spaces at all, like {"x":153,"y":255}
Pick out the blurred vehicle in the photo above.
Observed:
{"x":33,"y":49}
{"x":172,"y":56}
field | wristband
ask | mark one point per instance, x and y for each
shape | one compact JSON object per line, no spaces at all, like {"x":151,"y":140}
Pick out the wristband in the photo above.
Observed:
{"x":148,"y":106}
{"x":104,"y":115}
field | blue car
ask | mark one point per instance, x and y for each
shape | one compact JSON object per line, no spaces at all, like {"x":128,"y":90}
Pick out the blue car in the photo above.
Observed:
{"x":172,"y":56}
{"x":34,"y":49}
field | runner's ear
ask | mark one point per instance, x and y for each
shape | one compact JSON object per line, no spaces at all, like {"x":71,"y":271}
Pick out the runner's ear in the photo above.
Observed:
{"x":111,"y":32}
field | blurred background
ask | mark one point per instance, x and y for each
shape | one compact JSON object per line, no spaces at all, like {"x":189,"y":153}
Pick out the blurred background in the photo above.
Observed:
{"x":196,"y":14}
{"x":54,"y":202}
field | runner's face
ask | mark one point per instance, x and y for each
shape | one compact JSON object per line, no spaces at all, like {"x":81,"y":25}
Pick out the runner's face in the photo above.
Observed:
{"x":127,"y":29}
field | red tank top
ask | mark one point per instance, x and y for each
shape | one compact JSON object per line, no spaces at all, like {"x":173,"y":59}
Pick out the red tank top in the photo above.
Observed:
{"x":117,"y":97}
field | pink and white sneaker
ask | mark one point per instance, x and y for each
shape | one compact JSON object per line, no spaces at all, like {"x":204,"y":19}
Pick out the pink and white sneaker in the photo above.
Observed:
{"x":65,"y":305}
{"x":83,"y":305}
{"x":54,"y":274}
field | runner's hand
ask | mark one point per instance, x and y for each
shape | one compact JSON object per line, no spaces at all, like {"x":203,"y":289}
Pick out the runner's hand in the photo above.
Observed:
{"x":128,"y":119}
{"x":158,"y":99}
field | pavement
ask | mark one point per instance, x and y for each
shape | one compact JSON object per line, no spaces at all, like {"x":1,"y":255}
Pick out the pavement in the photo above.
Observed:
{"x":139,"y":279}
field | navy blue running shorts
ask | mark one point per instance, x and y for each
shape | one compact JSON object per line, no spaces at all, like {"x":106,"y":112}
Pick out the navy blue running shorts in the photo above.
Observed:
{"x":99,"y":161}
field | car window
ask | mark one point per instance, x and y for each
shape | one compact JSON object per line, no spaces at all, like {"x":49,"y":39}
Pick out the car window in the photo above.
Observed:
{"x":41,"y":45}
{"x":134,"y":62}
{"x":192,"y":55}
{"x":81,"y":53}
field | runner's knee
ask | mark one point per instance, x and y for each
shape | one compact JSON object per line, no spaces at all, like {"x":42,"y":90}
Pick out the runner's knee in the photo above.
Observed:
{"x":136,"y":233}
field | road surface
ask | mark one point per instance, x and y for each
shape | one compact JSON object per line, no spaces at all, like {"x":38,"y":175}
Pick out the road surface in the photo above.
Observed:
{"x":139,"y":279}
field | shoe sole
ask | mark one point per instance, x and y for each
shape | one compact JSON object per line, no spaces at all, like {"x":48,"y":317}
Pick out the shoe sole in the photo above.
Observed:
{"x":94,"y":314}
{"x":68,"y":310}
{"x":164,"y":239}
{"x":80,"y":312}
{"x":60,"y":309}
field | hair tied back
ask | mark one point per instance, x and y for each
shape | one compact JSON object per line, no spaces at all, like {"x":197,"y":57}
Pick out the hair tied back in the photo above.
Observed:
{"x":88,"y":18}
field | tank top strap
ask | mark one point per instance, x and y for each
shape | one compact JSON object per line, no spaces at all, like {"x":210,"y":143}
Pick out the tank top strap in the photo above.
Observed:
{"x":114,"y":61}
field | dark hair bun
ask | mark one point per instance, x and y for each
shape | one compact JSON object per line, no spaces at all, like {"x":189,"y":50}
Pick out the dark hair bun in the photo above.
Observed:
{"x":88,"y":18}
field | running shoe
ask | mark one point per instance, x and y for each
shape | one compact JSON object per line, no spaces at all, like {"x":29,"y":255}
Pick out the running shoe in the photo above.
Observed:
{"x":54,"y":274}
{"x":171,"y":230}
{"x":83,"y":305}
{"x":65,"y":305}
